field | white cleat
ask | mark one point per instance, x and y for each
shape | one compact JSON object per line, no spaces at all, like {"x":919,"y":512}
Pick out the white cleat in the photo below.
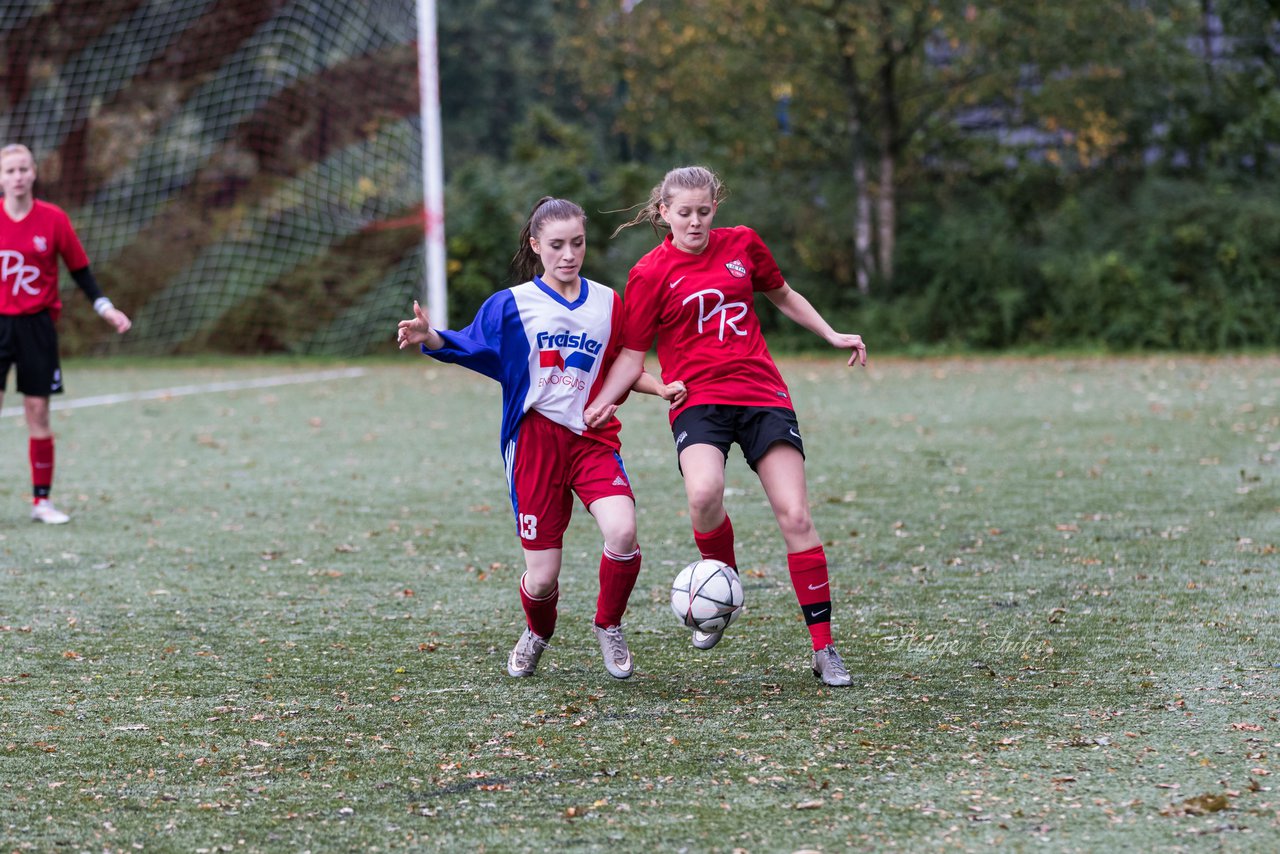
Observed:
{"x":828,"y":666}
{"x":706,"y":640}
{"x":44,"y":511}
{"x":613,"y":646}
{"x":525,"y":654}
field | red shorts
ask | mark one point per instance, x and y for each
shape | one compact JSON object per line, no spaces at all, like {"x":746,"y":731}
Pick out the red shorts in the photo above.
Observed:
{"x":552,"y":463}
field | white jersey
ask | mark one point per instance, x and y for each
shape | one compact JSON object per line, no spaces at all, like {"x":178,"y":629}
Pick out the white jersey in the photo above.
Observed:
{"x":550,"y":354}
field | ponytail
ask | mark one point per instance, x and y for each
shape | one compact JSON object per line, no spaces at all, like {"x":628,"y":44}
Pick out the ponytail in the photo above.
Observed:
{"x":683,"y":178}
{"x":526,"y":264}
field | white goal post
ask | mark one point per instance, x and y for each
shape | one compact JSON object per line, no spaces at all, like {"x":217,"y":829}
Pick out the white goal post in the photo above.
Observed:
{"x":432,"y":165}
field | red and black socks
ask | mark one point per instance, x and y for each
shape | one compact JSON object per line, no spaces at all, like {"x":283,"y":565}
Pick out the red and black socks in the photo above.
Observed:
{"x":40,"y":452}
{"x":812,"y":584}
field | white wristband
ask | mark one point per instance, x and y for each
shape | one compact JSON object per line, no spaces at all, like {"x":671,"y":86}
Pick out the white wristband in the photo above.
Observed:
{"x":102,"y":305}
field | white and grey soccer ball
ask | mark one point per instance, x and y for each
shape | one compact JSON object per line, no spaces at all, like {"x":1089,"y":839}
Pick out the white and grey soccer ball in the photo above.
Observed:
{"x":706,"y":595}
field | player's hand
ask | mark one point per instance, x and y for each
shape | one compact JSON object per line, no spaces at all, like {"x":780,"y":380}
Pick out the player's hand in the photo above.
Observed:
{"x":415,"y":331}
{"x":118,"y":320}
{"x":674,"y":393}
{"x":847,"y":341}
{"x":598,"y":416}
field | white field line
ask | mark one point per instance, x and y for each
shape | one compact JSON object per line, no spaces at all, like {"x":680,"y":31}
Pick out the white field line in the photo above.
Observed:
{"x":184,"y":390}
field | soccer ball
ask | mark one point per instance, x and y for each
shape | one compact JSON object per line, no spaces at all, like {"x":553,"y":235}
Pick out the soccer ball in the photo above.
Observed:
{"x":706,"y":595}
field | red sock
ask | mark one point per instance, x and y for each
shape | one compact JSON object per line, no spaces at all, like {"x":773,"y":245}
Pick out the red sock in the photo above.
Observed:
{"x":717,"y":544}
{"x":618,"y":575}
{"x":813,"y":590}
{"x":540,"y":614}
{"x":41,"y":453}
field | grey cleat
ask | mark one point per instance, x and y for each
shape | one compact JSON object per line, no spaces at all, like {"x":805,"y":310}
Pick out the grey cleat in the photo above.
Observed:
{"x":706,"y":640}
{"x":525,"y":654}
{"x":828,"y":667}
{"x":613,"y":646}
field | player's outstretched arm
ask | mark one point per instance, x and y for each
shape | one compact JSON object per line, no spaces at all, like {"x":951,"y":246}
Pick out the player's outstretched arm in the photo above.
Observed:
{"x":673,"y":392}
{"x":417,"y":330}
{"x":795,"y":306}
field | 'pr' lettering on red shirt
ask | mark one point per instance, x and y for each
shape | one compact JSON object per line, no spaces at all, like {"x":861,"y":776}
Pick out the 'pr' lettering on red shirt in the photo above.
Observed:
{"x":700,"y":309}
{"x":29,"y":252}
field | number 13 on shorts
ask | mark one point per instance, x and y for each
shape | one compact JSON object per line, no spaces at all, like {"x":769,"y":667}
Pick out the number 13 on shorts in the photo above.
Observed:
{"x":528,"y":526}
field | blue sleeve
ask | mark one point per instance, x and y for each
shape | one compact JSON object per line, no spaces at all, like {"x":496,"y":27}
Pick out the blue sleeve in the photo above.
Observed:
{"x":478,"y":346}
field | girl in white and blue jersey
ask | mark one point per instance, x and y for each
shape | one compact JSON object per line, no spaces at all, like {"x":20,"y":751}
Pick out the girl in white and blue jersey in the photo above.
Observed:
{"x":550,"y":342}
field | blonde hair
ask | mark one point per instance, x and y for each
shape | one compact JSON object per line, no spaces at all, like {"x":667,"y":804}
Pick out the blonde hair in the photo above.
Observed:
{"x":17,"y":148}
{"x":677,"y":180}
{"x":525,"y":263}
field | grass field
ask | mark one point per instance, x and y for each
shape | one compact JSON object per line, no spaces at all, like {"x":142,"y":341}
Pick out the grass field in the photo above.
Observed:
{"x":280,"y":616}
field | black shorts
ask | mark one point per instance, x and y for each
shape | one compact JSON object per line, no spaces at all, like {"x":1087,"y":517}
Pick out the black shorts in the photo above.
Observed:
{"x":30,"y":341}
{"x":754,"y":428}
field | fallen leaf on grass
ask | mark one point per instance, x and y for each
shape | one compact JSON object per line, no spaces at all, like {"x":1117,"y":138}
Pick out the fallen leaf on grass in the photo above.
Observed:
{"x":809,"y":805}
{"x":1198,"y":805}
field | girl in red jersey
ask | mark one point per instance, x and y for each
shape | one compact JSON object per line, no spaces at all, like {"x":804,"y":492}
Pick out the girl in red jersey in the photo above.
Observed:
{"x":693,"y":293}
{"x":33,"y":235}
{"x":549,"y":342}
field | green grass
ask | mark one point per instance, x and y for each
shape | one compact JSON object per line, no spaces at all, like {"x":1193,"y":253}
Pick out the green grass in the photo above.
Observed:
{"x":279,"y":621}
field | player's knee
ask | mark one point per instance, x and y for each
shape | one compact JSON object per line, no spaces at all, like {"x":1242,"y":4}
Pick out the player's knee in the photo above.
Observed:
{"x":705,"y":499}
{"x":621,"y":540}
{"x":795,"y":522}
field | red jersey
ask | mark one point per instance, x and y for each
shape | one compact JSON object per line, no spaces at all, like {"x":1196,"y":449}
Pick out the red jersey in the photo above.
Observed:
{"x":29,"y":251}
{"x":701,"y":310}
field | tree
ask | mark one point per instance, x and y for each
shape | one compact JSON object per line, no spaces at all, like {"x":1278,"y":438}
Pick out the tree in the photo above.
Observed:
{"x":887,"y":93}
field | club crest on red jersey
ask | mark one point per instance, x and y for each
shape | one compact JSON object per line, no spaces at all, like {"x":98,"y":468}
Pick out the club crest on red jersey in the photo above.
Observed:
{"x":736,"y":269}
{"x":42,"y":245}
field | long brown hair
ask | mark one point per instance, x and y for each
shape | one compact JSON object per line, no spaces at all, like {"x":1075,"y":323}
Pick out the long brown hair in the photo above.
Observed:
{"x":526,"y":264}
{"x":683,"y":178}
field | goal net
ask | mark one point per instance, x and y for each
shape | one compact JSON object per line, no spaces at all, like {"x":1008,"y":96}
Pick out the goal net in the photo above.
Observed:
{"x":245,"y":174}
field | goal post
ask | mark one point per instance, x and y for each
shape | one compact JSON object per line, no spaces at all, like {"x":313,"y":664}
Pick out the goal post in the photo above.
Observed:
{"x":436,"y":291}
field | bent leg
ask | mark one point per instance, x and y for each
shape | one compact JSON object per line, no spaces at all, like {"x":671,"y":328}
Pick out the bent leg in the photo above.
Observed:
{"x":703,"y":470}
{"x":616,"y":517}
{"x":702,"y":467}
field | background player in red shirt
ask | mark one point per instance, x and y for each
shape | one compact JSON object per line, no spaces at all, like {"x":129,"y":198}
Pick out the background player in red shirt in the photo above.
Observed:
{"x":549,"y":341}
{"x":694,"y":294}
{"x":33,"y":235}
